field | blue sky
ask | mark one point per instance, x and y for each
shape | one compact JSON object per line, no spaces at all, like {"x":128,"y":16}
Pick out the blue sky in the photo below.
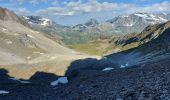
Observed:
{"x":71,"y":12}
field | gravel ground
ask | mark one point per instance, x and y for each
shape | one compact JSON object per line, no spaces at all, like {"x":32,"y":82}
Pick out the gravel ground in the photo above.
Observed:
{"x":148,"y":81}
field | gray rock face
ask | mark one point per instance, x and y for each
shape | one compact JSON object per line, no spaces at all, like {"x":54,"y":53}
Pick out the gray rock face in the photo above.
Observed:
{"x":7,"y":15}
{"x":37,"y":20}
{"x":45,"y":25}
{"x":27,"y":41}
{"x":136,"y":22}
{"x":92,"y":22}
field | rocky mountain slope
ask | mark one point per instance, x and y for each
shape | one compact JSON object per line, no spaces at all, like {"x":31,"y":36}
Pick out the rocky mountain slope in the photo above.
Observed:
{"x":141,"y":73}
{"x":15,"y":36}
{"x":136,"y":22}
{"x":23,"y":51}
{"x":71,"y":34}
{"x":93,"y":30}
{"x":108,"y":36}
{"x":47,"y":26}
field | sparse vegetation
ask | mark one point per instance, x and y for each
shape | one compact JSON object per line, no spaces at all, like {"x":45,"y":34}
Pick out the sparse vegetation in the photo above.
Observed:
{"x":92,"y":48}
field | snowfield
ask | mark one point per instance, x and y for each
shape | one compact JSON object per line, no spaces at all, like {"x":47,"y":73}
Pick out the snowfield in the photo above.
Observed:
{"x":62,"y":80}
{"x":124,"y":66}
{"x":3,"y":92}
{"x":24,"y":82}
{"x":108,"y":69}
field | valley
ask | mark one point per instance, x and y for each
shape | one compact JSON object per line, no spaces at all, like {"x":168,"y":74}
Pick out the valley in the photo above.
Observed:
{"x":123,"y":58}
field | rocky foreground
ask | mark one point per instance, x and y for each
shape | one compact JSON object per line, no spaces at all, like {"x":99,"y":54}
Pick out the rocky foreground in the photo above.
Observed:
{"x":149,"y":81}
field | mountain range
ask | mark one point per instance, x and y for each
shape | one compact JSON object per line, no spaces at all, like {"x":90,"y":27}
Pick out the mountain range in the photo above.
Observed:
{"x":93,"y":30}
{"x":36,"y":64}
{"x":22,"y":45}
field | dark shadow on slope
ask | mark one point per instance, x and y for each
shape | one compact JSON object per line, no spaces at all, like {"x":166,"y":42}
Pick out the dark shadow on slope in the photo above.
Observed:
{"x":40,"y":78}
{"x":37,"y":89}
{"x":5,"y":79}
{"x":131,"y":57}
{"x":79,"y":66}
{"x":43,"y":78}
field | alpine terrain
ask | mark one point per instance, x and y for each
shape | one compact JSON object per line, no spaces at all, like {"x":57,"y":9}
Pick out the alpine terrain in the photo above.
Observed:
{"x":84,"y":50}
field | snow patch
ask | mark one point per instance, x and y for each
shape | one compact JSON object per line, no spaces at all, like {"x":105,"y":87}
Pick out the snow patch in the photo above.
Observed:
{"x":45,"y":21}
{"x":24,"y":82}
{"x":73,"y":52}
{"x":151,"y":17}
{"x":53,"y":57}
{"x":30,"y":22}
{"x":38,"y":53}
{"x":62,"y":80}
{"x":25,"y":17}
{"x":124,"y":16}
{"x":108,"y":69}
{"x":163,"y":19}
{"x":4,"y":29}
{"x":4,"y":92}
{"x":129,"y":24}
{"x":30,"y":36}
{"x":142,"y":15}
{"x":28,"y":58}
{"x":9,"y":42}
{"x":123,"y":66}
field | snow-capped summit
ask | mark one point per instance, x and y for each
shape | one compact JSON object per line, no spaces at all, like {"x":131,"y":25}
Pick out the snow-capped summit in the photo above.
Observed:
{"x":37,"y":20}
{"x":136,"y":22}
{"x":151,"y":18}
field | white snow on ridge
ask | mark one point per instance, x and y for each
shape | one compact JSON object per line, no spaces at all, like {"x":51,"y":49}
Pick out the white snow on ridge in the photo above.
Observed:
{"x":129,"y":24}
{"x":4,"y":92}
{"x":141,"y":15}
{"x":151,"y":17}
{"x":62,"y":80}
{"x":45,"y":21}
{"x":38,"y":21}
{"x":108,"y":69}
{"x":25,"y":17}
{"x":124,"y":16}
{"x":163,"y":19}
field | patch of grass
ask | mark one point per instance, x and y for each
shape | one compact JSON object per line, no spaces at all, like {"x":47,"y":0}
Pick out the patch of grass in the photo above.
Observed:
{"x":130,"y":46}
{"x":91,"y":48}
{"x":101,"y":48}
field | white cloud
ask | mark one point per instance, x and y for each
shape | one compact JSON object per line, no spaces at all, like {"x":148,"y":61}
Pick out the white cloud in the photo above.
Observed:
{"x":21,"y":1}
{"x":16,"y":1}
{"x":34,"y":2}
{"x":158,"y":7}
{"x":92,"y":8}
{"x":74,"y":8}
{"x":55,"y":3}
{"x":79,"y":7}
{"x":95,"y":9}
{"x":22,"y":11}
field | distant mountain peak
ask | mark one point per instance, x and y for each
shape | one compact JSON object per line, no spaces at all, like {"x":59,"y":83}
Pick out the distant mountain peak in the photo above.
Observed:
{"x":38,"y":20}
{"x":136,"y":22}
{"x":92,"y":22}
{"x":5,"y":14}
